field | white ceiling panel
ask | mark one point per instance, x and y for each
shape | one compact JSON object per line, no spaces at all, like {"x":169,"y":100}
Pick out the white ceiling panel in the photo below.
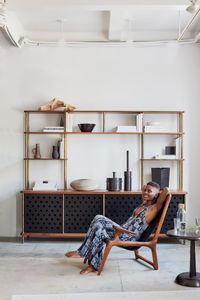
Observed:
{"x":106,"y":20}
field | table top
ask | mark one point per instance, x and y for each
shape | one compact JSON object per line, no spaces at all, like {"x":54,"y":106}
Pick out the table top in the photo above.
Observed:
{"x":185,"y":236}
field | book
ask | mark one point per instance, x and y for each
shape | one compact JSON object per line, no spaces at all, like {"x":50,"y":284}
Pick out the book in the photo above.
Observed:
{"x":148,"y":128}
{"x":62,"y":148}
{"x":139,"y":122}
{"x":164,"y":156}
{"x":126,"y":129}
{"x":178,"y":147}
{"x":53,"y":128}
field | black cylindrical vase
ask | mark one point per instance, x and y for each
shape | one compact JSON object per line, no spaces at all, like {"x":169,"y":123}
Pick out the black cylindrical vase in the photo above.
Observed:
{"x":127,"y":180}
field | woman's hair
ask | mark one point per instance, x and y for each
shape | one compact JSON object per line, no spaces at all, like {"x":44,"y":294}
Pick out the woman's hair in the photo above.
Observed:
{"x":154,"y":184}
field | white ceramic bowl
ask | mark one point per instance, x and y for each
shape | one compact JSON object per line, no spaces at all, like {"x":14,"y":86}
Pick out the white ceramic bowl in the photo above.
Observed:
{"x":84,"y":184}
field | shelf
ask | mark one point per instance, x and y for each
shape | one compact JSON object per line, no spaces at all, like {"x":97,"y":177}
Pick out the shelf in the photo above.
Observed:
{"x":102,"y":192}
{"x":106,"y":111}
{"x":41,"y":132}
{"x":45,"y":158}
{"x":167,"y":159}
{"x":140,"y":133}
{"x":167,"y":133}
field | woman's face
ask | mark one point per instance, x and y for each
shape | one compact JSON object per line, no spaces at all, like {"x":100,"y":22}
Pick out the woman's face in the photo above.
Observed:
{"x":149,"y":193}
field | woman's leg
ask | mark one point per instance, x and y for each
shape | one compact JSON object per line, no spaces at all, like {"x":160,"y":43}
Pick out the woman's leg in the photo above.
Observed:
{"x":99,"y":231}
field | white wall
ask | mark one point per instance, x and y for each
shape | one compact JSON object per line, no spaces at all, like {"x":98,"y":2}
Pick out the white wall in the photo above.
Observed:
{"x":121,"y":78}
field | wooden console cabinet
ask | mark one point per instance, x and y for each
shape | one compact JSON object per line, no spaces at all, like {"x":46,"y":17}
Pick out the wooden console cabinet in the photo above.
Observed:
{"x":69,"y":213}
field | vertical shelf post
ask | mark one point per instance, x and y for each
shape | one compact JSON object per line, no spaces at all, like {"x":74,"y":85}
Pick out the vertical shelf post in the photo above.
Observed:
{"x":27,"y":150}
{"x":65,"y":152}
{"x":181,"y":161}
{"x":142,"y":153}
{"x":104,"y":204}
{"x":22,"y":218}
{"x":104,"y":121}
{"x":63,"y":213}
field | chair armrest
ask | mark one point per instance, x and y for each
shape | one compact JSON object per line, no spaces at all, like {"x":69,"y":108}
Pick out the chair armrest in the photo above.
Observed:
{"x":121,"y":230}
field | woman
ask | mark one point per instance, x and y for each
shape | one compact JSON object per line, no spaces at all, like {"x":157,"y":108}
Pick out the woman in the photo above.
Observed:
{"x":101,"y":228}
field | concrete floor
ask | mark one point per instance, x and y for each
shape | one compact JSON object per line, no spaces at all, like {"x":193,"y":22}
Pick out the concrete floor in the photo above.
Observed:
{"x":39,"y":267}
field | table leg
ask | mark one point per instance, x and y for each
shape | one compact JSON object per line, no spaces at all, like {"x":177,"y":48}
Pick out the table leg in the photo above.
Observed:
{"x":190,"y":278}
{"x":192,"y":259}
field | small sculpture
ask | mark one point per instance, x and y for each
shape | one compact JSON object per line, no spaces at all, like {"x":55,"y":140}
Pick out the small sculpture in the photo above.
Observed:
{"x":53,"y":104}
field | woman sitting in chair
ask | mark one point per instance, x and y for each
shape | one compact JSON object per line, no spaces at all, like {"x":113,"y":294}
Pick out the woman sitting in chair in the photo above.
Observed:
{"x":101,"y":228}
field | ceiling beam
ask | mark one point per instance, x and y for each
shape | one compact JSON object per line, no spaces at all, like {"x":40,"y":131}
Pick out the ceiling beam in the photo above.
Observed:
{"x":115,"y":25}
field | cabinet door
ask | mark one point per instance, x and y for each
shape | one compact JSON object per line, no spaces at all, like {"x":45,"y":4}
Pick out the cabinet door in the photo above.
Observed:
{"x":79,"y":210}
{"x":43,"y":213}
{"x":120,"y":207}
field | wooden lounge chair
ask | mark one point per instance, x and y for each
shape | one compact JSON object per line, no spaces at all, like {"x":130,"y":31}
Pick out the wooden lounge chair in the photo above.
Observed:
{"x":143,"y":241}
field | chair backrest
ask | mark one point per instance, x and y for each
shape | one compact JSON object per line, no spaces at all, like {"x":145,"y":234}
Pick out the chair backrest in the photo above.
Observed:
{"x":157,"y":222}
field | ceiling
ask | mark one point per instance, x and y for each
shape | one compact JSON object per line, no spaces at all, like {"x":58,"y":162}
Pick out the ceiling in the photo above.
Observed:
{"x":68,"y":21}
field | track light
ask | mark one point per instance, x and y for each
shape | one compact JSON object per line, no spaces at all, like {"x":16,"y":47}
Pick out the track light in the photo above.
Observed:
{"x":2,"y":13}
{"x":193,"y":7}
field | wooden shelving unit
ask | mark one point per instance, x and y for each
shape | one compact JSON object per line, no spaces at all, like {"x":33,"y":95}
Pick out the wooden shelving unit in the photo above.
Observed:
{"x":62,"y":198}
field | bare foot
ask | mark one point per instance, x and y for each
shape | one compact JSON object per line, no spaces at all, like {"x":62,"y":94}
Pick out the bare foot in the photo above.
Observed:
{"x":89,"y":269}
{"x":73,"y":254}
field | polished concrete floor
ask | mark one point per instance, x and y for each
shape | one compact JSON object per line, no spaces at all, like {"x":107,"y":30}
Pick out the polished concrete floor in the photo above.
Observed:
{"x":39,"y":267}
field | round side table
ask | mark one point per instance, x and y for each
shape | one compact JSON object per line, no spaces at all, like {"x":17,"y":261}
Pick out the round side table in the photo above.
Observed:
{"x":191,"y":278}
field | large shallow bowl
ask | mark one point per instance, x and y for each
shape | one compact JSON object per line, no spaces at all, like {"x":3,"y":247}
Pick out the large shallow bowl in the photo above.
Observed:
{"x":84,"y":184}
{"x":86,"y":127}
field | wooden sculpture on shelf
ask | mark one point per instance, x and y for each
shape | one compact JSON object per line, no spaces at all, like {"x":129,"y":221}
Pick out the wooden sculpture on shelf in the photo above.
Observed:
{"x":55,"y":103}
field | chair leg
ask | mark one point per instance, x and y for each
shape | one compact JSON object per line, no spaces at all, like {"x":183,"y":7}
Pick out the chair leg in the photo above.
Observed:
{"x":155,"y":259}
{"x":105,"y":255}
{"x":136,"y":254}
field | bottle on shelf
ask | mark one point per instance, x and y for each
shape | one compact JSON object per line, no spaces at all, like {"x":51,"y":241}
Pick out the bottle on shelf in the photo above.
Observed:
{"x":181,"y":215}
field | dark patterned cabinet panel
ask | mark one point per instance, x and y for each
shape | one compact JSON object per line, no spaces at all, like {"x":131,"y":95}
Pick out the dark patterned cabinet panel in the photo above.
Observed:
{"x":171,"y":212}
{"x":79,"y":210}
{"x":120,"y":207}
{"x":43,"y":213}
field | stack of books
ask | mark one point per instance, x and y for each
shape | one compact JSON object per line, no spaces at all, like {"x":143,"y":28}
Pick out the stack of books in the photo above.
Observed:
{"x":164,"y":156}
{"x":53,"y":128}
{"x":148,"y":128}
{"x":139,"y":122}
{"x":126,"y":129}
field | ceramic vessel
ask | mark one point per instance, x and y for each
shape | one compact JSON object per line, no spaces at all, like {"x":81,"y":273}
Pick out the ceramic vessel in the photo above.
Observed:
{"x":84,"y":184}
{"x":36,"y":151}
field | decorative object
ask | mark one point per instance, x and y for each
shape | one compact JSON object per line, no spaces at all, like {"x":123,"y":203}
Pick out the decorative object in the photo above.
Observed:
{"x":55,"y":153}
{"x":161,"y":176}
{"x":53,"y":104}
{"x":60,"y":145}
{"x":45,"y":185}
{"x":69,"y":123}
{"x":86,"y":127}
{"x":84,"y":184}
{"x":61,"y":121}
{"x":170,"y":150}
{"x":36,"y":151}
{"x":127,"y":175}
{"x":114,"y":184}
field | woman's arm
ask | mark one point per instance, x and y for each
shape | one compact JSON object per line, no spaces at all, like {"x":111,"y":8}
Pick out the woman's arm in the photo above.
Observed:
{"x":161,"y":198}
